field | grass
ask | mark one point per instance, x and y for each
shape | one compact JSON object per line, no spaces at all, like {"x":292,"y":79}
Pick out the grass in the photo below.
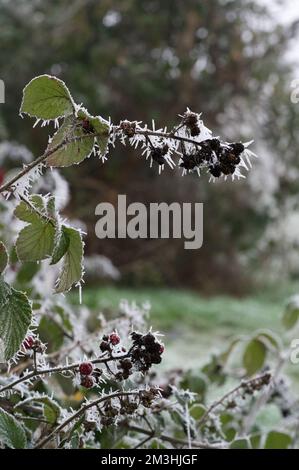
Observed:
{"x":195,"y":326}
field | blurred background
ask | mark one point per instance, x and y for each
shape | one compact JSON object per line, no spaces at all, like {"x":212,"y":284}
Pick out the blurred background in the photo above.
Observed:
{"x":232,"y":60}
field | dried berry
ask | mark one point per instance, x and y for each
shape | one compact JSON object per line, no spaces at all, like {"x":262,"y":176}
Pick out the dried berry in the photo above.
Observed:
{"x":105,"y":346}
{"x":87,"y":126}
{"x":128,"y":128}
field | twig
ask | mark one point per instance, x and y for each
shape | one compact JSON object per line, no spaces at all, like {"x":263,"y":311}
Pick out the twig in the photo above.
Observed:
{"x":177,"y":441}
{"x":52,"y":370}
{"x":79,"y":412}
{"x":219,"y":402}
{"x":8,"y":186}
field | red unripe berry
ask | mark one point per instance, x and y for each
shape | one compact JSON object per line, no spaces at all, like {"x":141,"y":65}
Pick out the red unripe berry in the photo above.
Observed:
{"x":161,"y":349}
{"x":28,"y":342}
{"x":87,"y":381}
{"x":85,"y":368}
{"x":114,"y":339}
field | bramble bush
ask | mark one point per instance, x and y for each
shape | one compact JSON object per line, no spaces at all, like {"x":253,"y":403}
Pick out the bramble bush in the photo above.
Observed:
{"x":65,"y":384}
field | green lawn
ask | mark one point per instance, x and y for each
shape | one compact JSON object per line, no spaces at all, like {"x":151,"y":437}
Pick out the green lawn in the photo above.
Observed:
{"x":195,"y":326}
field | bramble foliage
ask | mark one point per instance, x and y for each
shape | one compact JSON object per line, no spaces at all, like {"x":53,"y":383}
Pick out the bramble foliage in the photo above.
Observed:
{"x":65,"y":384}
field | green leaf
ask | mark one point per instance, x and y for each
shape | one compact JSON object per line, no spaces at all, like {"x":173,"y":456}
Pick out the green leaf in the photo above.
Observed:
{"x":47,"y":97}
{"x":12,"y":434}
{"x":270,"y":339}
{"x":72,"y":269}
{"x":240,"y":444}
{"x":197,"y":411}
{"x":278,"y":440}
{"x":291,"y":313}
{"x":3,"y":257}
{"x":35,"y":242}
{"x":15,"y":318}
{"x":26,"y":272}
{"x":51,"y":334}
{"x":73,"y":152}
{"x":254,"y":356}
{"x":61,"y":246}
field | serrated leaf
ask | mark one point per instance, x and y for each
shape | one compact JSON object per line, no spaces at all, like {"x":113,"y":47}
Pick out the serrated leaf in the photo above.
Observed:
{"x":35,"y":242}
{"x":47,"y":97}
{"x":72,"y":268}
{"x":61,"y":246}
{"x":73,"y":152}
{"x":254,"y":356}
{"x":25,"y":213}
{"x":12,"y":434}
{"x":15,"y":318}
{"x":3,"y":257}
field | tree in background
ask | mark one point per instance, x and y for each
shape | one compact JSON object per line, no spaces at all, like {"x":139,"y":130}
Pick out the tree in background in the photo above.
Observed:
{"x":145,"y":59}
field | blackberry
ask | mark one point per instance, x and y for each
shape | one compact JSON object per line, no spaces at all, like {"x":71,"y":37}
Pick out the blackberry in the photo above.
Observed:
{"x":190,"y":118}
{"x":157,"y":155}
{"x":215,"y":170}
{"x":128,"y":128}
{"x":105,"y":346}
{"x":189,"y":162}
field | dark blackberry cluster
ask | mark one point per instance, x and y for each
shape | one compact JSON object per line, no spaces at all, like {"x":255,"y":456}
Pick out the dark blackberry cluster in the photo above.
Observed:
{"x":128,"y":128}
{"x":146,"y":350}
{"x":158,"y":154}
{"x":148,"y":396}
{"x":128,"y":406}
{"x":190,"y":120}
{"x":248,"y":388}
{"x":221,"y":158}
{"x":125,"y":367}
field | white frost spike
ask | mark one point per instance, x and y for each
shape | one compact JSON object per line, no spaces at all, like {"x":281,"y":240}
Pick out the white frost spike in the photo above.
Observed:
{"x":23,"y":185}
{"x":36,"y":122}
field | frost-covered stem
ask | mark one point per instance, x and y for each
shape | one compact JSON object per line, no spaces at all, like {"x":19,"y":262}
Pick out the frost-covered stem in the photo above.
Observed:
{"x":8,"y":186}
{"x":239,"y":387}
{"x":78,"y":413}
{"x":167,"y":135}
{"x":176,"y":441}
{"x":52,"y":370}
